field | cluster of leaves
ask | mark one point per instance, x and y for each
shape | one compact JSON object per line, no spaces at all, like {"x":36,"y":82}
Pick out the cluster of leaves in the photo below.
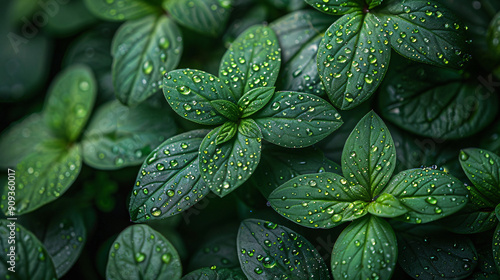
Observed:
{"x":238,"y":177}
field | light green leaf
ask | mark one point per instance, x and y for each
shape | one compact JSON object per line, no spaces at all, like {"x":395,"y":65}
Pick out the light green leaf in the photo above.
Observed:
{"x":120,"y":10}
{"x":226,"y":132}
{"x":211,"y":274}
{"x":482,"y":167}
{"x":336,"y":7}
{"x":352,"y":59}
{"x":369,"y":155}
{"x":190,"y":93}
{"x":253,"y":60}
{"x":496,"y":246}
{"x":366,"y":249}
{"x":203,"y":16}
{"x":70,"y":101}
{"x":140,"y":252}
{"x":226,"y":108}
{"x":249,"y":128}
{"x":387,"y":206}
{"x":317,"y":200}
{"x":143,"y":51}
{"x":226,"y":167}
{"x":270,"y":251}
{"x":21,"y":138}
{"x":30,"y":258}
{"x":424,"y":31}
{"x":428,"y":194}
{"x":295,"y":120}
{"x":44,"y":175}
{"x":170,"y":174}
{"x":119,"y":136}
{"x":254,"y":100}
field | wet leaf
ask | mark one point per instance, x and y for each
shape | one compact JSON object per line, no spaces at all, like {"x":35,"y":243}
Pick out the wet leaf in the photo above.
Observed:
{"x":496,"y":246}
{"x":249,"y":128}
{"x":270,"y":251}
{"x":226,"y":108}
{"x":143,"y":51}
{"x":120,"y":10}
{"x":220,"y":252}
{"x":336,"y":7}
{"x":387,"y":206}
{"x":219,"y":274}
{"x":140,"y":252}
{"x":226,"y":132}
{"x":169,"y":181}
{"x":254,"y":100}
{"x":471,"y":219}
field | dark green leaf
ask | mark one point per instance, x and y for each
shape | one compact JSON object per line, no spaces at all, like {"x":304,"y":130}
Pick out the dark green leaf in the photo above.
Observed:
{"x":226,"y":132}
{"x":249,"y":128}
{"x":289,"y":5}
{"x":253,"y":60}
{"x":366,"y":249}
{"x":424,"y":31}
{"x":494,"y":35}
{"x":433,"y":254}
{"x":270,"y":251}
{"x":254,"y":100}
{"x":387,"y":206}
{"x":322,"y":200}
{"x":64,"y":239}
{"x":225,"y":167}
{"x":295,"y":120}
{"x":353,"y":58}
{"x":336,"y":7}
{"x":471,"y":219}
{"x":497,"y":212}
{"x":220,"y":252}
{"x":442,"y":107}
{"x":143,"y":51}
{"x":70,"y":101}
{"x":69,"y":18}
{"x":299,"y":35}
{"x":171,"y":176}
{"x":203,"y":16}
{"x":30,"y":259}
{"x":226,"y":108}
{"x":482,"y":167}
{"x":44,"y":175}
{"x":369,"y":155}
{"x":428,"y":194}
{"x":140,"y":252}
{"x":496,"y":247}
{"x":278,"y":165}
{"x":120,"y":10}
{"x":119,"y":136}
{"x":210,"y":274}
{"x":190,"y":93}
{"x":21,"y":138}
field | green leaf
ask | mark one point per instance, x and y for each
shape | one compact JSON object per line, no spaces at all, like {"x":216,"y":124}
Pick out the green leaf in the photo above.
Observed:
{"x":226,"y":108}
{"x":369,"y":155}
{"x":249,"y":128}
{"x":253,"y":60}
{"x":471,"y":219}
{"x":226,"y":167}
{"x":288,"y":5}
{"x":442,"y":107}
{"x":366,"y":249}
{"x":70,"y":101}
{"x":226,"y":132}
{"x":140,"y":252}
{"x":119,"y":136}
{"x":424,"y":31}
{"x":434,"y":254}
{"x":295,"y":120}
{"x":70,"y":18}
{"x":254,"y":100}
{"x":299,"y":35}
{"x":190,"y":93}
{"x":278,"y":165}
{"x":170,"y":174}
{"x":352,"y":59}
{"x":482,"y":167}
{"x":143,"y":51}
{"x":219,"y":251}
{"x":120,"y":10}
{"x":497,"y":211}
{"x":44,"y":175}
{"x":493,"y":36}
{"x":317,"y":200}
{"x":496,"y":247}
{"x":270,"y":251}
{"x":210,"y":274}
{"x":31,"y":260}
{"x":64,"y":238}
{"x":203,"y":16}
{"x":21,"y":138}
{"x":387,"y":206}
{"x":428,"y":194}
{"x":335,"y":7}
